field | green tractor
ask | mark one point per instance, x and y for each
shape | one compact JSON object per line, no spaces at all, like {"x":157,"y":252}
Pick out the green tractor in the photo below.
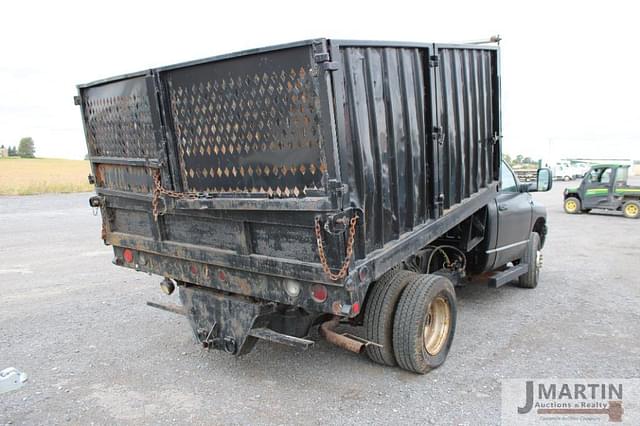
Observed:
{"x":604,"y":187}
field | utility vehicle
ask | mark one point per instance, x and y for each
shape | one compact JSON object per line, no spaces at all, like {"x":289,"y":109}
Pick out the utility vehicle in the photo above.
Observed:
{"x":604,"y":186}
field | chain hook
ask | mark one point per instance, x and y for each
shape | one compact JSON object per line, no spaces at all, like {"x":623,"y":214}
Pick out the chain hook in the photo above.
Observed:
{"x":159,"y":190}
{"x":344,"y":269}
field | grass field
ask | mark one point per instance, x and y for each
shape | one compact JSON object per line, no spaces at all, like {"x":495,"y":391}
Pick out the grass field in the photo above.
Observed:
{"x":21,"y":176}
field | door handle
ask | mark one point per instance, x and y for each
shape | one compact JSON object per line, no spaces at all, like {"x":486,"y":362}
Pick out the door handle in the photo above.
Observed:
{"x":502,"y":207}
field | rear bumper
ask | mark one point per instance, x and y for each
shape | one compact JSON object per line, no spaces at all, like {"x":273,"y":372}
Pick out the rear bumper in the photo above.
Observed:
{"x":264,"y":287}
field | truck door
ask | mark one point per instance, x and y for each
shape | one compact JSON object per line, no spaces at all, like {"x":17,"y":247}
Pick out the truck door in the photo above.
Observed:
{"x":598,"y":184}
{"x":514,"y":219}
{"x":619,"y":186}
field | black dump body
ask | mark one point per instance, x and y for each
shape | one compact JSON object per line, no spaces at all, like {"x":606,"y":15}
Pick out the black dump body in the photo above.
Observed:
{"x":260,"y":144}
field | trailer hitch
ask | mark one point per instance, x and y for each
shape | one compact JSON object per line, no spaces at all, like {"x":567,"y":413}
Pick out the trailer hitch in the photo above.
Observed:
{"x":227,"y":343}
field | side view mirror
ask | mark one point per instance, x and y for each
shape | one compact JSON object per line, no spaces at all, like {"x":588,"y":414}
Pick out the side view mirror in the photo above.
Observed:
{"x":544,"y":181}
{"x":527,"y":187}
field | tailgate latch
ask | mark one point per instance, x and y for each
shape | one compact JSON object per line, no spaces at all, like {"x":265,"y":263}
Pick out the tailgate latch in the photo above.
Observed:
{"x":338,"y":223}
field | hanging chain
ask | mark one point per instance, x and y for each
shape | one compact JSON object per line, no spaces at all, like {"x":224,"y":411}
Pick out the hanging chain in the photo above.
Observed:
{"x":347,"y":260}
{"x":159,"y":190}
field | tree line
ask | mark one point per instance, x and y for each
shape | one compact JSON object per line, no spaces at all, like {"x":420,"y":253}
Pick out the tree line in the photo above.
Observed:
{"x":26,"y":149}
{"x":518,"y":160}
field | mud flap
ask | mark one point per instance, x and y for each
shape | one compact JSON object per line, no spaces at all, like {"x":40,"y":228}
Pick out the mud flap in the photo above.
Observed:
{"x":224,"y":321}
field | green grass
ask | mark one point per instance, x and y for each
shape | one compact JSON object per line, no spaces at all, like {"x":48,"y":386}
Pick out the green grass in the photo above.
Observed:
{"x":28,"y":176}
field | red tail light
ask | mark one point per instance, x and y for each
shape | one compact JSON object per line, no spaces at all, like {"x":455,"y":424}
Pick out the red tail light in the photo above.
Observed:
{"x":319,"y":293}
{"x":127,"y":255}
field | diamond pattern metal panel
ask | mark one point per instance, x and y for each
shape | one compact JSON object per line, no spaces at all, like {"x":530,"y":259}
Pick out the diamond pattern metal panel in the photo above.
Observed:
{"x":118,"y":120}
{"x":248,"y":125}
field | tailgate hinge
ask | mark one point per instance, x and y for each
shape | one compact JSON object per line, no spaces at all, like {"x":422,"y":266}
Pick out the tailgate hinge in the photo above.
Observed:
{"x":322,"y":57}
{"x":330,"y":66}
{"x":337,"y":192}
{"x":496,"y":138}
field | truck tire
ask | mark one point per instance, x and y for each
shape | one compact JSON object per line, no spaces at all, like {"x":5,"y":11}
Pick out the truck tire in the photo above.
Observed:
{"x":631,"y":209}
{"x":378,"y":316}
{"x":533,"y":258}
{"x":425,"y":323}
{"x":572,"y":205}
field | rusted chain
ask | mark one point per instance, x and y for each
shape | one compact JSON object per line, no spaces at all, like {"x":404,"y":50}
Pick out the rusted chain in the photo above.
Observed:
{"x":159,"y":190}
{"x":344,"y":269}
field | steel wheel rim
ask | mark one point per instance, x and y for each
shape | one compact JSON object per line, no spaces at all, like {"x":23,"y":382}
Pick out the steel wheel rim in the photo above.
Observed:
{"x":631,"y":210}
{"x":437,"y":325}
{"x":571,"y":205}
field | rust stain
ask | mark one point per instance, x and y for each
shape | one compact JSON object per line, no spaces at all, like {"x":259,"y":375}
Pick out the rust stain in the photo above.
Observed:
{"x":242,"y":284}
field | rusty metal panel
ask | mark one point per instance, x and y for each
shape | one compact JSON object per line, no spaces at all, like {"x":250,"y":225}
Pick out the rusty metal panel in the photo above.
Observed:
{"x":124,"y":178}
{"x":467,"y":83}
{"x":248,"y":125}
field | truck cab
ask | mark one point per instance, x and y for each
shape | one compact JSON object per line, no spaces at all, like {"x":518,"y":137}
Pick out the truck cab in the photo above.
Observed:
{"x":515,"y":233}
{"x":517,"y":215}
{"x":604,"y":186}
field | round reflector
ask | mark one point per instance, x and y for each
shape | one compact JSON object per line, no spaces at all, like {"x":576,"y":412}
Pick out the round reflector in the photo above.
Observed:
{"x":127,"y":254}
{"x":319,"y":293}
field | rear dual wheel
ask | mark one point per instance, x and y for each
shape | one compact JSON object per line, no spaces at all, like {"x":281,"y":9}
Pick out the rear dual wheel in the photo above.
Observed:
{"x":425,"y":323}
{"x":418,"y":332}
{"x":378,"y":317}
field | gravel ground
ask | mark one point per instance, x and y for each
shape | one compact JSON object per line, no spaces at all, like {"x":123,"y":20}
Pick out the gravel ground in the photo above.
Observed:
{"x":95,"y":353}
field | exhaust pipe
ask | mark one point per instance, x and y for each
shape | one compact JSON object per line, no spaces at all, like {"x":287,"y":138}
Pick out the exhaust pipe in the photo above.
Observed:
{"x":340,"y":340}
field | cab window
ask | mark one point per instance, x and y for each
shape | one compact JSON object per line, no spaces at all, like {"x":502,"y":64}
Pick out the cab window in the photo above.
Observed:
{"x":592,"y":176}
{"x":605,"y":177}
{"x":508,"y":179}
{"x":621,"y":175}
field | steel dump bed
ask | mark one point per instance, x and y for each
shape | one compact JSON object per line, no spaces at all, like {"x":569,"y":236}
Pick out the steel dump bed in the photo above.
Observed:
{"x":221,"y":172}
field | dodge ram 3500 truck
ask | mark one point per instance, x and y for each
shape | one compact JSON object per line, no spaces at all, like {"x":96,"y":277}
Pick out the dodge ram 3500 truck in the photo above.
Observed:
{"x":314,"y":183}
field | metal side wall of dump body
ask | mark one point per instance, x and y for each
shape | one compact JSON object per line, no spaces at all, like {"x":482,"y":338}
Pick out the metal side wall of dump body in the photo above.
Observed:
{"x":256,"y":145}
{"x":418,"y":126}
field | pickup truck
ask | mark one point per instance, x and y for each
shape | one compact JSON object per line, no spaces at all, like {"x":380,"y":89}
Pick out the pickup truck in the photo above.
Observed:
{"x":315,"y":183}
